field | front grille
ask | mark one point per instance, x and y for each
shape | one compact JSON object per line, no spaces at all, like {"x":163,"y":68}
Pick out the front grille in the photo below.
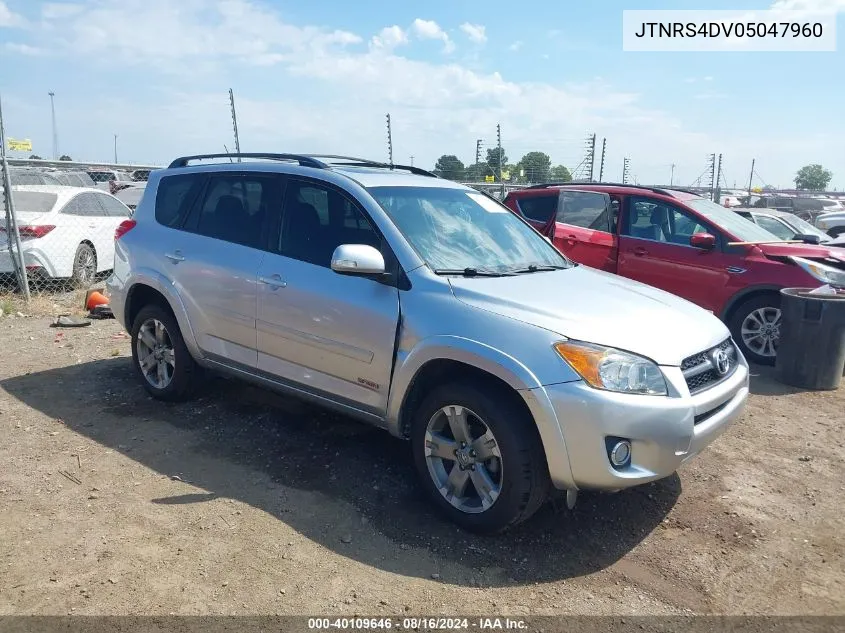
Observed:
{"x":700,"y":370}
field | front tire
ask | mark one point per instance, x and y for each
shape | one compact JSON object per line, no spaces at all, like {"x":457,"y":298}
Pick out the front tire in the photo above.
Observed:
{"x":755,"y":326}
{"x":161,"y":358}
{"x":479,"y":457}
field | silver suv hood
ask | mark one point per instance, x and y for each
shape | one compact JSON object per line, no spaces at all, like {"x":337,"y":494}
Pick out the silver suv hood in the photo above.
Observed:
{"x":590,"y":305}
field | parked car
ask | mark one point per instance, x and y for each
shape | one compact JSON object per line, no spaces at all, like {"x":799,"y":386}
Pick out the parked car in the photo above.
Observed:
{"x":73,"y":178}
{"x":786,"y":226}
{"x":140,"y":175}
{"x":685,"y":244}
{"x":832,"y":223}
{"x":131,"y":195}
{"x":805,"y":208}
{"x":66,"y":232}
{"x":30,"y":176}
{"x":106,"y":178}
{"x":424,"y":307}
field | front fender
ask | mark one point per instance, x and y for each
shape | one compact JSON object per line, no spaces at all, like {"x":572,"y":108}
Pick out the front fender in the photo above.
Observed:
{"x":456,"y":348}
{"x":157,"y":281}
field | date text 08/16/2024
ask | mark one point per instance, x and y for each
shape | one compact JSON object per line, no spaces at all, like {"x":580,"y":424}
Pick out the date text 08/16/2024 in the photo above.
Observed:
{"x":416,"y":624}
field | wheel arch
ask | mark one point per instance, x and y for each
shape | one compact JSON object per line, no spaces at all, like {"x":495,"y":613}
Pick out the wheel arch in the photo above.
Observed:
{"x":744,"y":295}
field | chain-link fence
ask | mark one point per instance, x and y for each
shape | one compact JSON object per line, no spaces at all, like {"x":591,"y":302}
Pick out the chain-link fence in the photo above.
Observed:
{"x":55,"y":236}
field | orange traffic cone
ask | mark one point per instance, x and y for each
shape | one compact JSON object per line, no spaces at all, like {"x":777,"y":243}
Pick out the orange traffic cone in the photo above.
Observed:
{"x":94,"y":298}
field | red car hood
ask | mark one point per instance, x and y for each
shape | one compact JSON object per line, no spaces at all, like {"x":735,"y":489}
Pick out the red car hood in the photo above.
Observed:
{"x":809,"y":251}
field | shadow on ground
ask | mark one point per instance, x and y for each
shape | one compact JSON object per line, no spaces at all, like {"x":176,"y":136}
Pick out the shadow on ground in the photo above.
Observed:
{"x":309,"y":449}
{"x":764,"y":382}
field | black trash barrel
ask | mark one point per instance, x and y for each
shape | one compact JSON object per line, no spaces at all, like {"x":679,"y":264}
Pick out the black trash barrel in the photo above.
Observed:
{"x":811,"y":350}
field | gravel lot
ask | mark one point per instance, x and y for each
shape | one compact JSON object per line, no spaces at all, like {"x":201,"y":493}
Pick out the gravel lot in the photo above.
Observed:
{"x":245,"y":502}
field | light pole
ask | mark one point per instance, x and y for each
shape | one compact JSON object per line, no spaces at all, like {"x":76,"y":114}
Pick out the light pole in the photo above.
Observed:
{"x":115,"y":149}
{"x":55,"y":137}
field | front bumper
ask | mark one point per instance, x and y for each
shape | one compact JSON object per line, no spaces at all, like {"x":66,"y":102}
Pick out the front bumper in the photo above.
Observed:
{"x":664,"y":431}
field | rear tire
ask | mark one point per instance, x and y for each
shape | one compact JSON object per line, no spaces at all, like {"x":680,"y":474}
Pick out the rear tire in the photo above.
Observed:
{"x":755,"y":326}
{"x":513,"y":480}
{"x":84,"y":266}
{"x":161,"y":358}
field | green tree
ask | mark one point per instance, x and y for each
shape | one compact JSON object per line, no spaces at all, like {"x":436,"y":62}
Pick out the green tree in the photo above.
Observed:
{"x":65,"y":157}
{"x":449,"y":166}
{"x":493,"y":159}
{"x":535,"y":166}
{"x":813,"y":177}
{"x":559,"y":173}
{"x":476,"y":172}
{"x":35,"y":157}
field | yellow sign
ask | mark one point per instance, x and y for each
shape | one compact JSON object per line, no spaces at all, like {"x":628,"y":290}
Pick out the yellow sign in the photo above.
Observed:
{"x":757,"y":190}
{"x":24,"y":145}
{"x":489,"y":179}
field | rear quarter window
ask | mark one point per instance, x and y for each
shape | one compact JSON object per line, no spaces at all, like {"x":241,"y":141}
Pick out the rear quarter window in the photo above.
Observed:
{"x":538,"y":208}
{"x":175,"y":197}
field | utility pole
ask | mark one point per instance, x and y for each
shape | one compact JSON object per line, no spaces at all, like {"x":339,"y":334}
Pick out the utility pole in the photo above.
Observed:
{"x":712,"y":163}
{"x":591,"y":153}
{"x":412,"y":160}
{"x":750,"y":179}
{"x":235,"y":123}
{"x":478,"y":151}
{"x":12,"y":234}
{"x":389,"y":142}
{"x":55,"y":135}
{"x":716,"y":191}
{"x":626,"y":170}
{"x":115,"y":149}
{"x":603,"y":150}
{"x":672,"y":176}
{"x":499,"y":146}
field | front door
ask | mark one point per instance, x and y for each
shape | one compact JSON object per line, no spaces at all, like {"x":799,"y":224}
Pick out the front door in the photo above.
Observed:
{"x":329,"y":333}
{"x":654,"y":248}
{"x":584,"y":229}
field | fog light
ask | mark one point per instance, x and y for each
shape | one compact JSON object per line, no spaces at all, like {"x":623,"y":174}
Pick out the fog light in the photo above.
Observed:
{"x":620,"y":454}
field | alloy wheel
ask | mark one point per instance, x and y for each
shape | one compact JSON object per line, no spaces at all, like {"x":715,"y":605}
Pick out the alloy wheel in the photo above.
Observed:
{"x":463,"y":459}
{"x":155,"y":353}
{"x":761,"y":331}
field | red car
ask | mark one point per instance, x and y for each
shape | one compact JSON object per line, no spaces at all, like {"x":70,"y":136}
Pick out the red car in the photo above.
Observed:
{"x":685,"y":244}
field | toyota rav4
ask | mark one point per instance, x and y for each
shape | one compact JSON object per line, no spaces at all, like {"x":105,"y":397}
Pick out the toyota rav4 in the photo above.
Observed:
{"x":424,"y":307}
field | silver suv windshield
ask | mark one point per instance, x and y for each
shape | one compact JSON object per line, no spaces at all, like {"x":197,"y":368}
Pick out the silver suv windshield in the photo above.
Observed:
{"x":456,"y":230}
{"x":741,"y":228}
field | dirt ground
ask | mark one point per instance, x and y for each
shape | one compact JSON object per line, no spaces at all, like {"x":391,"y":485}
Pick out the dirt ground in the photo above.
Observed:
{"x":245,"y":502}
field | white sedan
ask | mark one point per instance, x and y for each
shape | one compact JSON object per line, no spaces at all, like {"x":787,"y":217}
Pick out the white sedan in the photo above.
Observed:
{"x":66,"y":232}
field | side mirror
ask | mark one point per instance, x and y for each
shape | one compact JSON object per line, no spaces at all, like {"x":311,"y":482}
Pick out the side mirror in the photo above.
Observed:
{"x":357,"y":259}
{"x":808,"y":238}
{"x":704,"y":241}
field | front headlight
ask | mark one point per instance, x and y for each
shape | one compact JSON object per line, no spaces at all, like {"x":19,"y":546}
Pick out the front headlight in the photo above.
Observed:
{"x":612,"y":369}
{"x":822,"y":272}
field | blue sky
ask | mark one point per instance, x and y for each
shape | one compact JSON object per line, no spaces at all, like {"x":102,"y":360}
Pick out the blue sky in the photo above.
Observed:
{"x":320,"y":76}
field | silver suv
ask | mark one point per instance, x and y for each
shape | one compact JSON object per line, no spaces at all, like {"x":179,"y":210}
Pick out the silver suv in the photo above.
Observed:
{"x":426,"y":308}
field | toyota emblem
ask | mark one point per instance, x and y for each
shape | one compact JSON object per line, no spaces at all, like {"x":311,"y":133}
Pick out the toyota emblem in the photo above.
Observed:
{"x":721,"y":361}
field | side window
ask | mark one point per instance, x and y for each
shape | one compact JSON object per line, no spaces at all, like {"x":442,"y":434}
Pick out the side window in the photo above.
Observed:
{"x":114,"y":207}
{"x":317,"y":219}
{"x":175,"y":196}
{"x":538,"y":208}
{"x":72,"y":208}
{"x":662,"y":222}
{"x":236,"y":206}
{"x":585,"y":209}
{"x":83,"y":205}
{"x":775,"y":227}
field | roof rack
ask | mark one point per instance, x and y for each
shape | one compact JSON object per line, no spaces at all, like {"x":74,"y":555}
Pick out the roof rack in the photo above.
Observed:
{"x":661,"y":190}
{"x":303,"y":160}
{"x":352,"y":161}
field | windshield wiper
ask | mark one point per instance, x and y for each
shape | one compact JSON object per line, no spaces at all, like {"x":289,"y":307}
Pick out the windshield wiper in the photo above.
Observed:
{"x":536,"y":268}
{"x":471,"y":272}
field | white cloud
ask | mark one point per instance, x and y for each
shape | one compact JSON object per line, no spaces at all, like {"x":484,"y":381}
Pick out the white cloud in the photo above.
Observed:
{"x":430,"y":30}
{"x":24,"y":49}
{"x":389,"y":38}
{"x":9,"y":19}
{"x":515,"y":46}
{"x":58,"y":10}
{"x":475,"y":32}
{"x":810,"y":6}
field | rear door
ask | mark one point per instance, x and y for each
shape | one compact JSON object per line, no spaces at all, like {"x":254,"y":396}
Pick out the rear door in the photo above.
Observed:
{"x":585,"y":230}
{"x":654,"y":248}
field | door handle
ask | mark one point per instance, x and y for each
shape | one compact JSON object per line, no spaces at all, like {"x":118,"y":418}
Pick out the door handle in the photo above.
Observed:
{"x":175,"y":257}
{"x":572,"y":238}
{"x":274,"y":281}
{"x":639,"y":251}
